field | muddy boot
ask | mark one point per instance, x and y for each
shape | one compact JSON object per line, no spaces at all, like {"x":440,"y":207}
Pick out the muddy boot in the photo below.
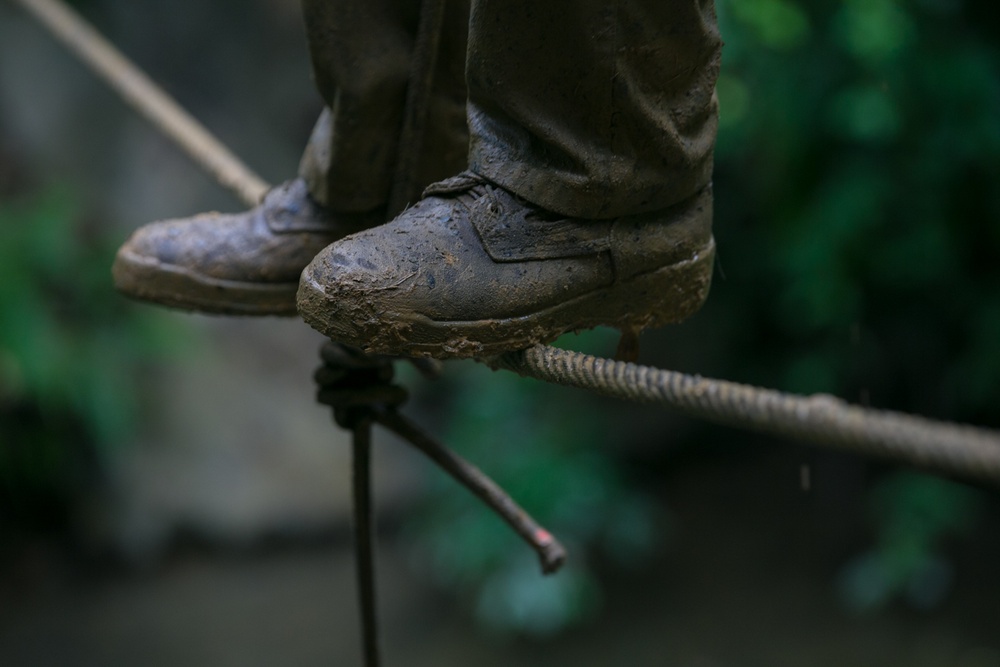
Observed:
{"x":472,"y":270}
{"x":237,"y":264}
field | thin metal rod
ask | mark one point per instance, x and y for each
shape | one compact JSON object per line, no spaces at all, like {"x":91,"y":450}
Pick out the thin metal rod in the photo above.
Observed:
{"x":425,"y":50}
{"x":551,"y":553}
{"x":364,"y":549}
{"x":147,"y":98}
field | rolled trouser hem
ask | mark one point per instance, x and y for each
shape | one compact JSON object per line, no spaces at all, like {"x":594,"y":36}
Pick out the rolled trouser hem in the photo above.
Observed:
{"x":594,"y":108}
{"x":577,"y":196}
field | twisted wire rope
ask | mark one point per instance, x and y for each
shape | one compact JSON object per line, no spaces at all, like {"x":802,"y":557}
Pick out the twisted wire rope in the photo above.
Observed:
{"x":820,"y":418}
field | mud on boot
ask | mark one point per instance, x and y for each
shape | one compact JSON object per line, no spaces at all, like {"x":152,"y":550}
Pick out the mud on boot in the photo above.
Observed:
{"x":472,"y":270}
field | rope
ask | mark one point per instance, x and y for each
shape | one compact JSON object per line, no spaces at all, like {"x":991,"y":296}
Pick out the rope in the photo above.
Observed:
{"x":821,"y":419}
{"x":147,"y":98}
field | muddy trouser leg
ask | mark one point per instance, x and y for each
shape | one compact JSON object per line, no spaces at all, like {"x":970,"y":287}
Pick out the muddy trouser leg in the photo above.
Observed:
{"x":360,"y":51}
{"x":594,"y":108}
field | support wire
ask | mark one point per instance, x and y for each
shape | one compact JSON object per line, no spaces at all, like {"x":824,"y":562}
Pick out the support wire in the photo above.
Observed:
{"x":147,"y":98}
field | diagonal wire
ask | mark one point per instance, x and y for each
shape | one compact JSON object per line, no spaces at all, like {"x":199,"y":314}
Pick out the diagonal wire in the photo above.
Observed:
{"x":551,"y":552}
{"x":147,"y":98}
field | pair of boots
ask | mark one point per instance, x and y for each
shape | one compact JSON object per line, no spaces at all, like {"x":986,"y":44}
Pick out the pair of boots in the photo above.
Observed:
{"x":586,"y":202}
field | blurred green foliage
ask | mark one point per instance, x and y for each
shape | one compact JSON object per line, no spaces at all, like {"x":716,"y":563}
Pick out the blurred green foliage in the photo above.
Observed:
{"x":857,"y":160}
{"x":71,"y":357}
{"x":916,"y":515}
{"x":859,"y":225}
{"x":858,"y":222}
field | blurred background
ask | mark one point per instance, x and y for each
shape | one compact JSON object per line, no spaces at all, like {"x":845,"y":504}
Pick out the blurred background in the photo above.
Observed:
{"x":170,"y":493}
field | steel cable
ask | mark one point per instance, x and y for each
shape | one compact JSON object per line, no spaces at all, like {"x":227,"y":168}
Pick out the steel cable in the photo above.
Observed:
{"x":821,"y":419}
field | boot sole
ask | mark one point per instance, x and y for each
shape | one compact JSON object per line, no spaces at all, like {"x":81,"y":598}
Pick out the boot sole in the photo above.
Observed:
{"x":148,"y":279}
{"x":667,"y":295}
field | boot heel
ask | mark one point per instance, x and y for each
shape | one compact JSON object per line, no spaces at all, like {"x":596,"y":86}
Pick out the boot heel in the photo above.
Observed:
{"x":667,"y":295}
